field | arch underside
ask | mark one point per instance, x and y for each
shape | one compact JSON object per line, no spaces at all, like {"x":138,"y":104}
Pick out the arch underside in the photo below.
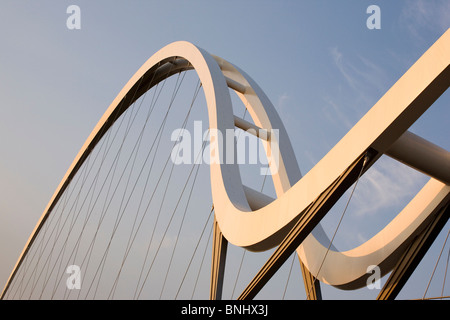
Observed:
{"x":267,"y":225}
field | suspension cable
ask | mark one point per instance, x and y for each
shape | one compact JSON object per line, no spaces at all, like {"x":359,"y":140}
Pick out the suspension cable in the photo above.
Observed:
{"x":338,"y":225}
{"x":435,"y":266}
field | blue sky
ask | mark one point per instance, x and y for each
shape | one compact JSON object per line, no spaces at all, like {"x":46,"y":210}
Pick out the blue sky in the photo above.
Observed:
{"x":320,"y":65}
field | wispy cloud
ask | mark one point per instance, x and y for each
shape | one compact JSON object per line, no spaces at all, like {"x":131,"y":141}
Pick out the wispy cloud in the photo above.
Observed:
{"x":282,"y":107}
{"x":282,"y":100}
{"x":336,"y":114}
{"x":363,"y":82}
{"x":386,"y":185}
{"x":361,"y":74}
{"x":420,"y":16}
{"x":343,"y":68}
{"x":371,"y":74}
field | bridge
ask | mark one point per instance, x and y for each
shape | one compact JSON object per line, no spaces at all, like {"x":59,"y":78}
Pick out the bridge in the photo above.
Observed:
{"x":128,"y":216}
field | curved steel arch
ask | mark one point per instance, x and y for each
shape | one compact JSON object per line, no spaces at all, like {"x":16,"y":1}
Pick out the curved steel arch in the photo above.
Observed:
{"x":259,"y":225}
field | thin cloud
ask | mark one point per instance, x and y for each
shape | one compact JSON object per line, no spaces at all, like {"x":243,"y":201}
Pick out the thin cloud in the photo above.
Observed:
{"x":338,"y":59}
{"x":373,"y":74}
{"x":282,"y":101}
{"x":362,"y":75}
{"x":282,"y":107}
{"x":386,"y":185}
{"x":420,"y":16}
{"x":363,"y":83}
{"x":337,"y":116}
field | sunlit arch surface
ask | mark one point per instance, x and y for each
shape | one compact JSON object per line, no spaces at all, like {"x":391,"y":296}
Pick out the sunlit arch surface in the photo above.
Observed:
{"x":257,"y":223}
